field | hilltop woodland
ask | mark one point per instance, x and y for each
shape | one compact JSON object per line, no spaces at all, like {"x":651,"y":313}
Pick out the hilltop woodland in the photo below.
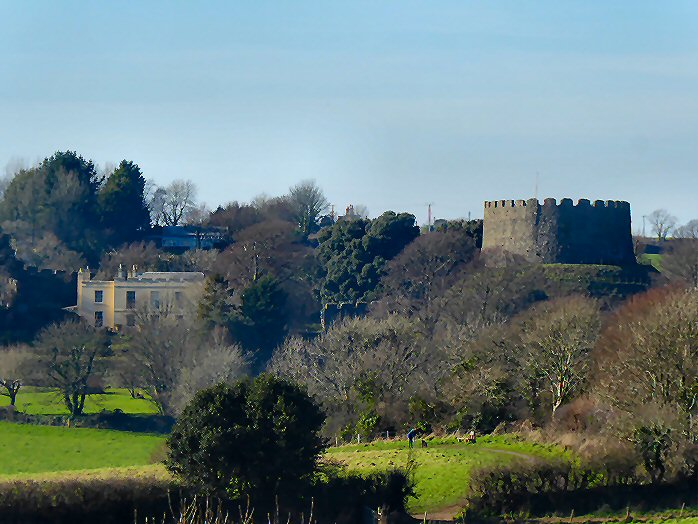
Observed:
{"x":449,"y":341}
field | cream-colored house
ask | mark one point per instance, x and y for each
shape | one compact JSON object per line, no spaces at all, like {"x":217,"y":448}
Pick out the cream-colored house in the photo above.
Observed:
{"x":114,"y":303}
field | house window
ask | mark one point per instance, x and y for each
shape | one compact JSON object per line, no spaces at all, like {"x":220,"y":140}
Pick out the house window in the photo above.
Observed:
{"x":99,"y":296}
{"x":178,"y":298}
{"x":131,"y":300}
{"x":130,"y":320}
{"x":155,"y":299}
{"x":99,"y":318}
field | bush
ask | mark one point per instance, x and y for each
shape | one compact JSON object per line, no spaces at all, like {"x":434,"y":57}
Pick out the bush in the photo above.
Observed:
{"x":258,"y":438}
{"x":75,"y":500}
{"x":540,"y":487}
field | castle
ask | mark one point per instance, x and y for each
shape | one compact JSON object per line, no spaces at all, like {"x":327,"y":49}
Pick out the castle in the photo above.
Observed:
{"x":585,"y":233}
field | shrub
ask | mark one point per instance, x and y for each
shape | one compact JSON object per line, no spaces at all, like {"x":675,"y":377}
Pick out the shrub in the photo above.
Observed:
{"x":256,"y":437}
{"x":540,"y":487}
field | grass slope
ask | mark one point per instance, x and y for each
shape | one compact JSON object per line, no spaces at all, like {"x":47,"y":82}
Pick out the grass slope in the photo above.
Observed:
{"x":442,"y":469}
{"x":651,"y":259}
{"x":27,"y":448}
{"x":41,"y":401}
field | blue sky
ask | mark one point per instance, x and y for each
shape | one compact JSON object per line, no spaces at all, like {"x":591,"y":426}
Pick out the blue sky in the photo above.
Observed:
{"x":387,"y":104}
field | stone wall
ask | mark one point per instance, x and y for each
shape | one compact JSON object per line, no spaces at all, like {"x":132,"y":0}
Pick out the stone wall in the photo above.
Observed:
{"x":585,"y":233}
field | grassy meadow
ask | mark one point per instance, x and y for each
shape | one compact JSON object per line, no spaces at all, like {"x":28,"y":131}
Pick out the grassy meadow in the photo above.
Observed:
{"x":442,"y":469}
{"x":54,"y":456}
{"x":441,"y":474}
{"x":43,"y":401}
{"x":29,"y":449}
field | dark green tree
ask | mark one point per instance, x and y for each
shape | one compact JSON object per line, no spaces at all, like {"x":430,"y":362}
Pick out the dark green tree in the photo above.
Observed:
{"x":354,"y":253}
{"x":216,"y":306}
{"x":259,"y":438}
{"x":122,"y":203}
{"x":471,"y":228}
{"x":59,"y":196}
{"x":262,"y":316}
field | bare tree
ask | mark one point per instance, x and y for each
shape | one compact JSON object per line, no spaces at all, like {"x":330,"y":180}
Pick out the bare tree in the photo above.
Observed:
{"x":198,"y":215}
{"x":203,"y":260}
{"x":67,"y":355}
{"x":557,"y":341}
{"x":213,"y":363}
{"x":361,"y":211}
{"x":650,"y":356}
{"x":173,"y":358}
{"x":418,"y":277}
{"x":170,"y":205}
{"x":156,"y":203}
{"x":308,"y":202}
{"x":662,"y":223}
{"x":383,"y":360}
{"x":47,"y":252}
{"x":688,"y":231}
{"x":145,"y":255}
{"x":13,"y":370}
{"x":681,"y":262}
{"x":12,"y":167}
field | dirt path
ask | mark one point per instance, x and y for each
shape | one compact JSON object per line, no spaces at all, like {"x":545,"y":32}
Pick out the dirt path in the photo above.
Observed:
{"x":449,"y":512}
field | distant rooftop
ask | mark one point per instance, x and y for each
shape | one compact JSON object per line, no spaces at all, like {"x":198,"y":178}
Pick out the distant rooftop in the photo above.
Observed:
{"x":148,"y":276}
{"x":189,"y":276}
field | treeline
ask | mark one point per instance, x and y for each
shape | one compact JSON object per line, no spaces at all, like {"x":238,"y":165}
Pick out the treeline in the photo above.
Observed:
{"x":452,"y":340}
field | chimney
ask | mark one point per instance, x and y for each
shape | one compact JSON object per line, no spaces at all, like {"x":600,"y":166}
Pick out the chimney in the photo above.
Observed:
{"x":120,"y":273}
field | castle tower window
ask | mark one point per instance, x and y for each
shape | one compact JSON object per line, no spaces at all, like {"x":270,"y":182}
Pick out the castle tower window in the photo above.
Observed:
{"x":99,"y":318}
{"x":99,"y":297}
{"x":131,"y":300}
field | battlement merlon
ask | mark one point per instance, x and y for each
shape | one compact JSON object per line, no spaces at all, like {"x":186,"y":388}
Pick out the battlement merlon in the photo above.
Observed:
{"x":564,"y":203}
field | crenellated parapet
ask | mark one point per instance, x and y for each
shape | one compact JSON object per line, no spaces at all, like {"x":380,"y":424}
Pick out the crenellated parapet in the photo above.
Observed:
{"x":564,"y":203}
{"x":591,"y":232}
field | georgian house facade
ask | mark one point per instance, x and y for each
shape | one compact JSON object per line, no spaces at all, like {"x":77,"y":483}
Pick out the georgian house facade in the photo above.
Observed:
{"x":114,"y":304}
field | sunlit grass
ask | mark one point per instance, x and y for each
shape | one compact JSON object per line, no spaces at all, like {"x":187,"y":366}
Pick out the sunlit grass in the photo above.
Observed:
{"x":29,"y":449}
{"x":43,"y":401}
{"x":443,"y":468}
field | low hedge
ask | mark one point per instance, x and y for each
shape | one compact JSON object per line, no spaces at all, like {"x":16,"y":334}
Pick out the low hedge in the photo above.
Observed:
{"x":536,"y":487}
{"x":135,"y":500}
{"x":118,"y":420}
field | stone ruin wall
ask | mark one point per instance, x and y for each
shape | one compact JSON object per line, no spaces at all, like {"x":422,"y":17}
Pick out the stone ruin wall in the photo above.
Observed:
{"x":585,"y":233}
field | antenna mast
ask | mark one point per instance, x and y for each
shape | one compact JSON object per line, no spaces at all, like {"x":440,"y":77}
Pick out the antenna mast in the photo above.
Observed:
{"x":429,"y":204}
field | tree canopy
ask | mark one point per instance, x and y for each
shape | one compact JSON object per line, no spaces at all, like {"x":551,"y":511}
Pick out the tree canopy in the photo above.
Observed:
{"x":252,"y":438}
{"x":354,"y":253}
{"x":122,"y":202}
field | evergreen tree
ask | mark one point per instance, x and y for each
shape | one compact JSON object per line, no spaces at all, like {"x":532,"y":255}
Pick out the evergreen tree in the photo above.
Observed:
{"x":58,"y":196}
{"x":262,"y":319}
{"x":354,"y":254}
{"x":215,"y":307}
{"x":122,"y":203}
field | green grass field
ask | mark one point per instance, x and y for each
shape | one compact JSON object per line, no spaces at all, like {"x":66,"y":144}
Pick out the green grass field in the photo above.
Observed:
{"x":654,"y":260}
{"x":42,"y":401}
{"x":441,"y":472}
{"x":442,"y":469}
{"x":28,"y":449}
